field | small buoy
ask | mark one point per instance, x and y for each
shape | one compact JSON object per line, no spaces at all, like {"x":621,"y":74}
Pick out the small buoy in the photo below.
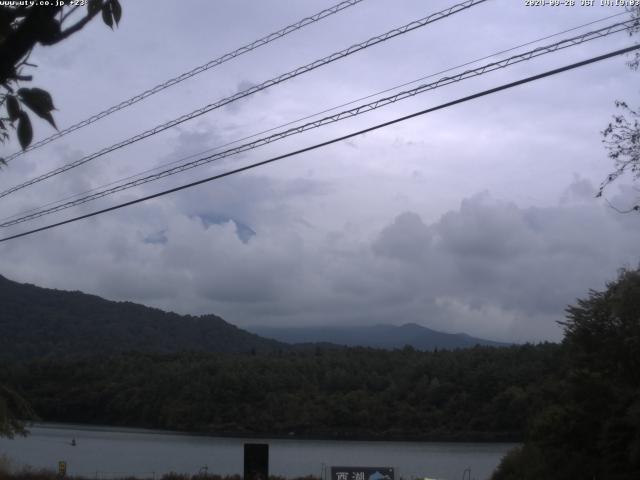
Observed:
{"x":73,"y":442}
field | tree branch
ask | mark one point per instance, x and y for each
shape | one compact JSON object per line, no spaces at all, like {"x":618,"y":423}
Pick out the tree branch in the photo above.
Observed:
{"x":18,"y":44}
{"x":69,"y":12}
{"x":76,"y":26}
{"x":635,"y":208}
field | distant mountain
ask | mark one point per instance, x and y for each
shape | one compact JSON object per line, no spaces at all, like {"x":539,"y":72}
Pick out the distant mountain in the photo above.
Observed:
{"x":40,"y":322}
{"x":377,"y":336}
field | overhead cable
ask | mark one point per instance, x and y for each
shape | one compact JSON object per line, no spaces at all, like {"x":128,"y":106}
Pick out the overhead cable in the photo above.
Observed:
{"x":329,"y":142}
{"x":306,"y":117}
{"x":254,"y":89}
{"x":301,"y":119}
{"x":191,"y":73}
{"x":577,"y":40}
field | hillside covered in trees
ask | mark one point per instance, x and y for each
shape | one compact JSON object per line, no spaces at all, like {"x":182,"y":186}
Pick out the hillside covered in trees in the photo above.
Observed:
{"x":40,"y":322}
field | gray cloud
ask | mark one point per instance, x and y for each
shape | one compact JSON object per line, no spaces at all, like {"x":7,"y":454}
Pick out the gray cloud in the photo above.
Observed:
{"x":489,"y":267}
{"x":408,"y":238}
{"x":521,"y":263}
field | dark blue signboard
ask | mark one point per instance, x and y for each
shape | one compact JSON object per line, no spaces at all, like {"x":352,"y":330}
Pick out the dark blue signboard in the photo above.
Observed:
{"x":361,"y":473}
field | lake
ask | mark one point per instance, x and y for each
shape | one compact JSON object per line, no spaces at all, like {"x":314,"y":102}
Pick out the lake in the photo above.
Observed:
{"x":111,"y":452}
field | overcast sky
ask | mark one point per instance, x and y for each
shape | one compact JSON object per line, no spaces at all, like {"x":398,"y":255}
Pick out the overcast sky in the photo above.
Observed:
{"x":480,"y":218}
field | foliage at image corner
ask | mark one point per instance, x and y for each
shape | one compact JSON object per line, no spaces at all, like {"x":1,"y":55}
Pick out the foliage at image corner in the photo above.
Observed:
{"x":14,"y":412}
{"x":22,"y":27}
{"x":621,"y":137}
{"x":593,"y":429}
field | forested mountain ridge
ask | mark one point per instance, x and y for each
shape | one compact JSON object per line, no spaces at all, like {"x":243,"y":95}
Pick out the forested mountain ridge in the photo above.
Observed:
{"x":80,"y":358}
{"x":39,"y":322}
{"x":374,"y":336}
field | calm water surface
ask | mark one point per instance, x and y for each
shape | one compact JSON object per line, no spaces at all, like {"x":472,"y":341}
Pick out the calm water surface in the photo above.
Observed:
{"x":109,"y":452}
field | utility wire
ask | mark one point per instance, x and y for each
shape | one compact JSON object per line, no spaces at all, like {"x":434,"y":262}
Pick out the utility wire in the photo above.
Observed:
{"x":332,"y":141}
{"x":257,"y":88}
{"x":307,"y":117}
{"x":191,"y":73}
{"x":351,"y":102}
{"x":333,"y":118}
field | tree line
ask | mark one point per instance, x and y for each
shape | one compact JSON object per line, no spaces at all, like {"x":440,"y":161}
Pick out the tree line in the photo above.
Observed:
{"x":482,"y":393}
{"x":589,"y":425}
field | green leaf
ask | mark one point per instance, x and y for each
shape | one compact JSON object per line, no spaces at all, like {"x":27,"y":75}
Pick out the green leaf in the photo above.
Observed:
{"x":13,"y":108}
{"x":117,"y":11}
{"x":107,"y":15}
{"x":25,"y":132}
{"x":40,"y":102}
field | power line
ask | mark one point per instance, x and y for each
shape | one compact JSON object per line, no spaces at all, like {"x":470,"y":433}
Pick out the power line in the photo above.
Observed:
{"x":174,"y":162}
{"x":340,"y":116}
{"x":191,"y":73}
{"x":257,"y":88}
{"x":332,"y":141}
{"x":183,"y":159}
{"x":334,"y":118}
{"x":25,"y":212}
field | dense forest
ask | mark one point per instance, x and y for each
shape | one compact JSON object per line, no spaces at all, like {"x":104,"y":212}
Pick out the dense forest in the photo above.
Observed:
{"x":483,"y":393}
{"x":590,"y":427}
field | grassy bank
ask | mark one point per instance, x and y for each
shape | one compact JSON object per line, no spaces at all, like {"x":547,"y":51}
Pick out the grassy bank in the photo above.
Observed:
{"x":30,"y":474}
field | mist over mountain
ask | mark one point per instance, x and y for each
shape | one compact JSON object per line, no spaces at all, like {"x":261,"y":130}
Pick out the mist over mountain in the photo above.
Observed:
{"x":38,"y":322}
{"x":375,"y":336}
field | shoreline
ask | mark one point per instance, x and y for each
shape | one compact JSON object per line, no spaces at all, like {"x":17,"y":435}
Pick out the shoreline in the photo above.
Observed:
{"x":479,"y":437}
